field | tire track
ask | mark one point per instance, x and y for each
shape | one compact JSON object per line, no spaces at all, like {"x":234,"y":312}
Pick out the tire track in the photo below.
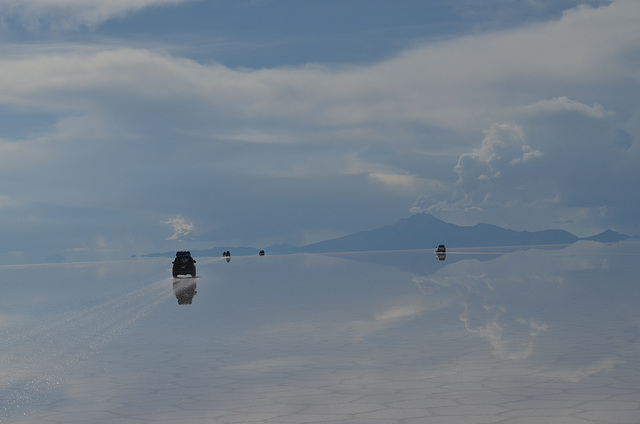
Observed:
{"x":35,"y":357}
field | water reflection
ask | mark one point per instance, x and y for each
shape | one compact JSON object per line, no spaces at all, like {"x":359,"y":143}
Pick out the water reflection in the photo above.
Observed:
{"x":400,"y":337}
{"x":568,"y":315}
{"x":184,"y":289}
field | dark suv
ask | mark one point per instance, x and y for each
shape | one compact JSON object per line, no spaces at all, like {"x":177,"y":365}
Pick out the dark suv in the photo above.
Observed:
{"x":184,"y":264}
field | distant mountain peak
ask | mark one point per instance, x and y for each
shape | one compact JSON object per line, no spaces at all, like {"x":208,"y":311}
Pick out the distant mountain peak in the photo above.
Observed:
{"x":608,"y":236}
{"x":425,"y":231}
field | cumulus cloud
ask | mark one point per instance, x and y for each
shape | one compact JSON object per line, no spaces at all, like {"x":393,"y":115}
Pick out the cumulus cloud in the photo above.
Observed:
{"x":563,"y":160}
{"x":503,"y":147}
{"x":181,"y":227}
{"x":485,"y":173}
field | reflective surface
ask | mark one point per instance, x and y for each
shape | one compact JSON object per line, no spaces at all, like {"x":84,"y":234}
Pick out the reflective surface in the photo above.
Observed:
{"x":485,"y":336}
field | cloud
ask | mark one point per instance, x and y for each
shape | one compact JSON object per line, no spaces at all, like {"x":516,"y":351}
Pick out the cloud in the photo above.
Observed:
{"x":562,"y":159}
{"x":564,"y":104}
{"x":538,"y":118}
{"x":485,"y":174}
{"x":181,"y":228}
{"x":397,"y":181}
{"x":400,"y":312}
{"x":458,"y":85}
{"x":503,"y":146}
{"x":73,"y":14}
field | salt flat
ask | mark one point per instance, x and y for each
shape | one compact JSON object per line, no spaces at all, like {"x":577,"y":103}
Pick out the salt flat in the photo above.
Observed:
{"x":482,"y":337}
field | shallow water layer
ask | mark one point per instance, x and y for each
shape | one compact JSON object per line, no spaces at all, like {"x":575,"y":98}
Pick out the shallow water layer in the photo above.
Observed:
{"x":485,"y":336}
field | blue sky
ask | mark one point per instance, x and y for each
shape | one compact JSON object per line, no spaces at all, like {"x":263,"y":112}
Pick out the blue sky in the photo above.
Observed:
{"x":128,"y":127}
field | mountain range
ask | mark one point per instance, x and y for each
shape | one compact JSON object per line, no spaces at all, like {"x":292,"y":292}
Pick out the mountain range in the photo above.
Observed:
{"x":420,"y":231}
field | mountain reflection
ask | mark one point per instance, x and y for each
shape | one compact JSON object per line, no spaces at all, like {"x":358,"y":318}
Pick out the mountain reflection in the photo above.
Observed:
{"x":185,"y":290}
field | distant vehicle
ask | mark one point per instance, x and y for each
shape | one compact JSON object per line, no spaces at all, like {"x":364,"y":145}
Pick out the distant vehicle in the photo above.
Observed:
{"x":441,"y":252}
{"x":184,"y":264}
{"x":227,"y":255}
{"x":261,"y":253}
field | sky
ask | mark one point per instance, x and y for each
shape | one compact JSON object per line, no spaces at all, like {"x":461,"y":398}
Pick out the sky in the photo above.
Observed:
{"x":136,"y":126}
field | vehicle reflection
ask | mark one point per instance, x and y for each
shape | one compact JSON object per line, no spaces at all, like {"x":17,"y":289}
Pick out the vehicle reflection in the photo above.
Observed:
{"x":184,"y":290}
{"x":441,"y":256}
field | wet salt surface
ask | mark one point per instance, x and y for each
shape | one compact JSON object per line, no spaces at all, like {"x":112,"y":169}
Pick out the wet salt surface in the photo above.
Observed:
{"x":483,"y":337}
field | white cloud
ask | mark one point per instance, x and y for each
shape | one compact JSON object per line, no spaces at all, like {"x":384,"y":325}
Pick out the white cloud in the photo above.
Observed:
{"x":502,"y":147}
{"x":564,"y":104}
{"x":401,"y":312}
{"x":460,"y":85}
{"x":397,"y":181}
{"x":405,"y":183}
{"x":558,"y":172}
{"x":181,"y":227}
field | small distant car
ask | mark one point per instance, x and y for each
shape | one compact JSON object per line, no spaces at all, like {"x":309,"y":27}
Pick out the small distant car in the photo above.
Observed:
{"x":261,"y":253}
{"x":441,"y":249}
{"x":184,"y":264}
